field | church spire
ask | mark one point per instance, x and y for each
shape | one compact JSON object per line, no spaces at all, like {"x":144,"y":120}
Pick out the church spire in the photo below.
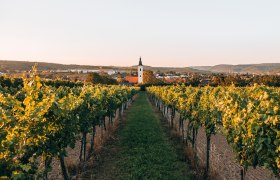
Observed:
{"x":140,"y":71}
{"x":140,"y":62}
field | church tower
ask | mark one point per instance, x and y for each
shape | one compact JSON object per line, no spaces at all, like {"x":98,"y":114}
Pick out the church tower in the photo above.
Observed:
{"x":140,"y":72}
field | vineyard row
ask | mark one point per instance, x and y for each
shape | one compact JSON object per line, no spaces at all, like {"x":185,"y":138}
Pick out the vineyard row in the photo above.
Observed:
{"x":249,"y":117}
{"x":38,"y":122}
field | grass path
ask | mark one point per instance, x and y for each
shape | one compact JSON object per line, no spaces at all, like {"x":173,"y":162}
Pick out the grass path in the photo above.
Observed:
{"x":142,"y":149}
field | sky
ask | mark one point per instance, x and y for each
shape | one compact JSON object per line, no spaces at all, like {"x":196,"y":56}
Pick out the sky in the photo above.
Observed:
{"x":175,"y":33}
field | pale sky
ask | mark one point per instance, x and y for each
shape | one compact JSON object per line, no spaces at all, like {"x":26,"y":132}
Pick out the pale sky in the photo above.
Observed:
{"x":165,"y":33}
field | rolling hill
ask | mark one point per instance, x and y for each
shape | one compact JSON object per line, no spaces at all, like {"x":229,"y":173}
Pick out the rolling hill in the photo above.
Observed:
{"x":41,"y":66}
{"x":264,"y":68}
{"x":175,"y":69}
{"x":14,"y":66}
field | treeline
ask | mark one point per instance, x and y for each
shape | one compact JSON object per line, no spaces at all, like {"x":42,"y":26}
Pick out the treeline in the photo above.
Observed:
{"x":14,"y":84}
{"x":11,"y":85}
{"x":237,"y":80}
{"x":243,"y":80}
{"x":216,"y":80}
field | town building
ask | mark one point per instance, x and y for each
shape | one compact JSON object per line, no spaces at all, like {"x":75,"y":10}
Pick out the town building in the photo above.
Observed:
{"x":140,"y":72}
{"x":139,"y":78}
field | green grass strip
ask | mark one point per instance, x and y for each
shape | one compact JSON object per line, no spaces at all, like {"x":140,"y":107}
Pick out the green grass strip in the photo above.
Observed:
{"x":145,"y":150}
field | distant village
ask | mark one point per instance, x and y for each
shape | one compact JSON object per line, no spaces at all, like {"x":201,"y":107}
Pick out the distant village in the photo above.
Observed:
{"x":140,"y":75}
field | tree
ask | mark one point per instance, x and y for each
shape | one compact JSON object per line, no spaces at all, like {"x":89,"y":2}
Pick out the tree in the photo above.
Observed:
{"x":149,"y":78}
{"x":96,"y":78}
{"x":108,"y":80}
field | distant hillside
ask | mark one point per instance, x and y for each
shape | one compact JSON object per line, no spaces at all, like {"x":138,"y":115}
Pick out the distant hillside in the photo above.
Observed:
{"x":276,"y":70}
{"x":176,"y":69}
{"x":26,"y":66}
{"x":8,"y":66}
{"x":203,"y":68}
{"x":272,"y":68}
{"x":264,"y":68}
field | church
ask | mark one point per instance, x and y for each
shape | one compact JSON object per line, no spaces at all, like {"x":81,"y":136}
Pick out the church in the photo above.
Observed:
{"x":137,"y":79}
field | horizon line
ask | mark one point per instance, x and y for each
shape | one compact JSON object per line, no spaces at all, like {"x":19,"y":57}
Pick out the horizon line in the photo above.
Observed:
{"x":35,"y":61}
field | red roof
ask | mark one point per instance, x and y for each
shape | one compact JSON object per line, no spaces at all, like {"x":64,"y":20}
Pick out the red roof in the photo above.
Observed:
{"x":131,"y":79}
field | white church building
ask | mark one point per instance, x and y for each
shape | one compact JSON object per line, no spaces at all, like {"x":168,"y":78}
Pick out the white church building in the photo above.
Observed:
{"x":140,"y":72}
{"x":139,"y":78}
